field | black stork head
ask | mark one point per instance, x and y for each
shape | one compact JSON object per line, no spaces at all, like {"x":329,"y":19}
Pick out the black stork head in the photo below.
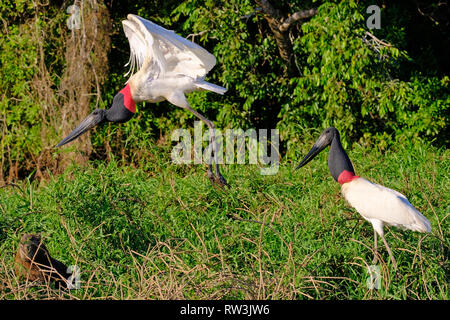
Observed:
{"x":338,"y":161}
{"x":122,"y":109}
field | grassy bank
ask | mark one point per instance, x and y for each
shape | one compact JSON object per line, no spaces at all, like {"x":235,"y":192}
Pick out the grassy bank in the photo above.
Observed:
{"x":165,"y":233}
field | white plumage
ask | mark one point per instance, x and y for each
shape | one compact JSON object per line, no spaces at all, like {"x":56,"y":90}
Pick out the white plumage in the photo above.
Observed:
{"x":169,"y":66}
{"x":171,"y":53}
{"x":383,"y":206}
{"x":375,"y":202}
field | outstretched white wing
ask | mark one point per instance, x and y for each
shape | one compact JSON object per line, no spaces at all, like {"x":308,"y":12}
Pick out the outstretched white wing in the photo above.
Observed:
{"x":168,"y":52}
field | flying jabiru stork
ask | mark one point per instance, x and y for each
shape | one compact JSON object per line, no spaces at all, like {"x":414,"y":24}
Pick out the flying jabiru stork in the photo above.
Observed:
{"x":377,"y":204}
{"x":168,"y":66}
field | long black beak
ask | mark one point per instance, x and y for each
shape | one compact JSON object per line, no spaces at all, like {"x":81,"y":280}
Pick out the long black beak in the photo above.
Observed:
{"x":91,"y":121}
{"x":311,"y":154}
{"x":320,"y":144}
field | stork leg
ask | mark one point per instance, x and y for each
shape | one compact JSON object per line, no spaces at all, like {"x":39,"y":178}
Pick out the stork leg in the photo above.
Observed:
{"x":375,"y":257}
{"x":394,"y":262}
{"x":378,"y":228}
{"x":180,"y":101}
{"x":212,"y":139}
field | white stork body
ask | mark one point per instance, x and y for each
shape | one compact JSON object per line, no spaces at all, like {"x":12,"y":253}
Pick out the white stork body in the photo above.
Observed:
{"x":168,"y":66}
{"x":383,"y":206}
{"x":377,"y":204}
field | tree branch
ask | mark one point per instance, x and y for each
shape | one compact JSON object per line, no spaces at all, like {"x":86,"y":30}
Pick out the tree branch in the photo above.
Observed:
{"x":293,"y":18}
{"x":251,"y":14}
{"x":378,"y":40}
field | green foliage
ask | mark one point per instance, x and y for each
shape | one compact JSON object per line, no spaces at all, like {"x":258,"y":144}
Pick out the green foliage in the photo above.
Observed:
{"x":18,"y":110}
{"x":349,"y":85}
{"x":14,"y":10}
{"x":248,"y":61}
{"x":139,"y":226}
{"x":373,"y":93}
{"x":27,"y":35}
{"x":369,"y":92}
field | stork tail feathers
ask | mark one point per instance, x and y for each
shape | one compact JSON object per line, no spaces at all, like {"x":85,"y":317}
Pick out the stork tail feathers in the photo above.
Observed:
{"x":211,"y":87}
{"x":422,"y":224}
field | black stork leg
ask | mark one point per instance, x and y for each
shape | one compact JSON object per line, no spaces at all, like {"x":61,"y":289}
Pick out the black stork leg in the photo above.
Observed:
{"x":211,"y":175}
{"x":180,"y":101}
{"x":218,"y":178}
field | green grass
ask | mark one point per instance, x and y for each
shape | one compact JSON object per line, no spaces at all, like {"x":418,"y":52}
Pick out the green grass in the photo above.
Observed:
{"x":163,"y":232}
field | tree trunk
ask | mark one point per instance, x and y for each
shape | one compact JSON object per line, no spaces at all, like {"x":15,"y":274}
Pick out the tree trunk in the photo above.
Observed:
{"x":87,"y":46}
{"x":279,"y":25}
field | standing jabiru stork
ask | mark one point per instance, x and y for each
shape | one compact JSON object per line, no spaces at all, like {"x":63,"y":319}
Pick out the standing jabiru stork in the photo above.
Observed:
{"x":168,"y":66}
{"x":377,"y":204}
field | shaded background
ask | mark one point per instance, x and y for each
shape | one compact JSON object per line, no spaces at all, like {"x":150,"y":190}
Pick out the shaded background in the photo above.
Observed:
{"x":380,"y":88}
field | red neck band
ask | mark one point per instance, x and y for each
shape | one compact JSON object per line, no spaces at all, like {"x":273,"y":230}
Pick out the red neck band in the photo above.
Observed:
{"x":128,"y":99}
{"x":346,"y":176}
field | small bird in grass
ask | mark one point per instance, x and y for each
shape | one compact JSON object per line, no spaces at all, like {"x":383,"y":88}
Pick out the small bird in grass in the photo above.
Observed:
{"x":168,"y":66}
{"x":377,"y":204}
{"x":33,"y":261}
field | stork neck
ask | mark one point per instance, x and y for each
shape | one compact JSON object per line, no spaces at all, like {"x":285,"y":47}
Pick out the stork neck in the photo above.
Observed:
{"x":123,"y":106}
{"x":346,"y":176}
{"x":339,"y":164}
{"x":128,"y":101}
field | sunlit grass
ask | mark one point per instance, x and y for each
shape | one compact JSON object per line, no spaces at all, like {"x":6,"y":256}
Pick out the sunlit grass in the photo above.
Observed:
{"x":165,"y":233}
